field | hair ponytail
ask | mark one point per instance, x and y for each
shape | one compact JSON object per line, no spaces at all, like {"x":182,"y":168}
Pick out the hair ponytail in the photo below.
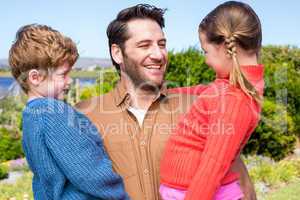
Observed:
{"x":237,"y":77}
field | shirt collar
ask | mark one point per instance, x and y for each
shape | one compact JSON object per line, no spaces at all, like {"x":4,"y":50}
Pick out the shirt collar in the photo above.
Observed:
{"x":122,"y":96}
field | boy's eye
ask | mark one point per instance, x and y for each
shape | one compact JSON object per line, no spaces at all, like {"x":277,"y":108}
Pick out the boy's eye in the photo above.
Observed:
{"x":63,"y":74}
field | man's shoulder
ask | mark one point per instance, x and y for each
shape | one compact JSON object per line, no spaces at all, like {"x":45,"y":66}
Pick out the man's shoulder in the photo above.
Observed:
{"x":98,"y":103}
{"x":181,"y":101}
{"x":82,"y":105}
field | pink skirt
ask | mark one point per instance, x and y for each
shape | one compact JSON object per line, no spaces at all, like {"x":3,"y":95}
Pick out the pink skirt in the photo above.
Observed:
{"x":231,"y":191}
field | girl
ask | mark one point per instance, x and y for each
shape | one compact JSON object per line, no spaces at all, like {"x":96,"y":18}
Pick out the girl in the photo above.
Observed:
{"x":211,"y":135}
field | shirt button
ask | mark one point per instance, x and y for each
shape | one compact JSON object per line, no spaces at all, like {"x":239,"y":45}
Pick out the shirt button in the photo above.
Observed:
{"x":146,"y":171}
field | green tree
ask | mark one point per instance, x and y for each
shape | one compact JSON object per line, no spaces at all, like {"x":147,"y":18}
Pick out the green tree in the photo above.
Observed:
{"x":10,"y":144}
{"x":188,"y":68}
{"x":275,"y":135}
{"x":105,"y":82}
{"x":282,"y":72}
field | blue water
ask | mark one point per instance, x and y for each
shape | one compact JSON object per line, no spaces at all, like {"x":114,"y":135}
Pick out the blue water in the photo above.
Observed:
{"x":6,"y":82}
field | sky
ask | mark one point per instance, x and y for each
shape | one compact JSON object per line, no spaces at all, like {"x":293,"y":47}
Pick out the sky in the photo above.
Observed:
{"x":86,"y":21}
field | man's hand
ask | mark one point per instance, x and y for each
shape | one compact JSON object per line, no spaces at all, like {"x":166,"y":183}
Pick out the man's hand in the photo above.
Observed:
{"x":245,"y":181}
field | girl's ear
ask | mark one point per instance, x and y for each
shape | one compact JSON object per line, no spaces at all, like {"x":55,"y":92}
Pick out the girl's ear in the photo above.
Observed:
{"x":223,"y":48}
{"x":35,"y":77}
{"x":117,"y":54}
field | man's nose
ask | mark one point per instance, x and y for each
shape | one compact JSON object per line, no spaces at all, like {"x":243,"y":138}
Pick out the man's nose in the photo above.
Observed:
{"x":156,"y":53}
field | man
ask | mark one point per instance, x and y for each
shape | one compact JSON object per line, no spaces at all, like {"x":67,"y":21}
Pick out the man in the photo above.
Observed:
{"x":136,"y":118}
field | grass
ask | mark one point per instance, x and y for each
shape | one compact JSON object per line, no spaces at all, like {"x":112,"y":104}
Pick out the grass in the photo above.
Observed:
{"x":289,"y":192}
{"x":18,"y":190}
{"x":5,"y":74}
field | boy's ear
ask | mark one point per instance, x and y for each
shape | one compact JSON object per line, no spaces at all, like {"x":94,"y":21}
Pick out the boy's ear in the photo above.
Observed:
{"x":35,"y":77}
{"x":116,"y":53}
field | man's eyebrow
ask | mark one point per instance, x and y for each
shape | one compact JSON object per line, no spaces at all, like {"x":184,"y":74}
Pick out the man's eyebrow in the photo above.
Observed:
{"x":163,"y":40}
{"x":149,"y":41}
{"x":143,"y":41}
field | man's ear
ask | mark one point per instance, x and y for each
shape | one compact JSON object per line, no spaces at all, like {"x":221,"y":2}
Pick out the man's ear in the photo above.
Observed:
{"x":35,"y":77}
{"x":116,"y":53}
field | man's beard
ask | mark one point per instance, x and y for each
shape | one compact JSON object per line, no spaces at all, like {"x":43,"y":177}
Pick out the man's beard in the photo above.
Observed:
{"x":138,"y":79}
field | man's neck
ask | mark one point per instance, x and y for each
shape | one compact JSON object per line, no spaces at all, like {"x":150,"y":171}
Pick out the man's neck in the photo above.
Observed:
{"x":140,"y":98}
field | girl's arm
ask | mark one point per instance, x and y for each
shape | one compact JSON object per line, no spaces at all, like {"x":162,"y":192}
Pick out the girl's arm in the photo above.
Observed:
{"x":229,"y":122}
{"x":192,"y":90}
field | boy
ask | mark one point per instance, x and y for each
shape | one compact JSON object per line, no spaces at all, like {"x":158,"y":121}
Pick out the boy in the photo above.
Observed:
{"x":61,"y":145}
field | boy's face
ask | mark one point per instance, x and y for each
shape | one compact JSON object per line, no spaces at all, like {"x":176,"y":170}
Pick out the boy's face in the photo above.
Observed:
{"x":56,"y":83}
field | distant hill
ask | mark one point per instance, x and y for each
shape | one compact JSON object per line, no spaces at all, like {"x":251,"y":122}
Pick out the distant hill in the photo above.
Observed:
{"x":81,"y":63}
{"x":86,"y":62}
{"x":4,"y":64}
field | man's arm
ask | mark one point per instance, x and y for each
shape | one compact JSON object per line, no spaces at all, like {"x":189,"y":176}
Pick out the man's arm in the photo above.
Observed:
{"x":245,"y":181}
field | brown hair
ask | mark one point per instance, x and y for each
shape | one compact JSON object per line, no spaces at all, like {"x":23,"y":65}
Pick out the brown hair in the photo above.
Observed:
{"x":235,"y":23}
{"x":117,"y":32}
{"x":39,"y":47}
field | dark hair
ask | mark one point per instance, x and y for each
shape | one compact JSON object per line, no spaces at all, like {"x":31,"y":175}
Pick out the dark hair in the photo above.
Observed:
{"x":117,"y":32}
{"x":235,"y":24}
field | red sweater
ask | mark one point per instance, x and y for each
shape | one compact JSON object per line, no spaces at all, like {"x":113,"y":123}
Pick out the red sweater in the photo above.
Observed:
{"x":208,"y":138}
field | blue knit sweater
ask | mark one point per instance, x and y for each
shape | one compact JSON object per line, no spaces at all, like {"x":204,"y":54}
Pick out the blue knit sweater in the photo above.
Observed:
{"x":66,"y":154}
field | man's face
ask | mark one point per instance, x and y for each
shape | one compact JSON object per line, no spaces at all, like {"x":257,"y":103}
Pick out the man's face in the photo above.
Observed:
{"x":145,"y":54}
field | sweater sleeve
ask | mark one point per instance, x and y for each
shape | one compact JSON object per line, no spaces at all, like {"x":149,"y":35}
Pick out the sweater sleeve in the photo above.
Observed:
{"x":83,"y":160}
{"x":228,"y":125}
{"x":193,"y":90}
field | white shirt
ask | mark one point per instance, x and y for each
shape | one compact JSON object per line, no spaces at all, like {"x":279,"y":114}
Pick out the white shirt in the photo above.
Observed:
{"x":138,"y":113}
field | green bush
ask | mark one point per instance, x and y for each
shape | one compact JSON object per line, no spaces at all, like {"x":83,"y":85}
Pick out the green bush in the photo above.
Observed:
{"x":272,"y":173}
{"x":106,"y":81}
{"x":187,"y":68}
{"x":88,"y":92}
{"x":10,"y":144}
{"x":3,"y":171}
{"x":266,"y":173}
{"x":274,"y":137}
{"x":286,"y":170}
{"x":11,"y":111}
{"x":282,"y":71}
